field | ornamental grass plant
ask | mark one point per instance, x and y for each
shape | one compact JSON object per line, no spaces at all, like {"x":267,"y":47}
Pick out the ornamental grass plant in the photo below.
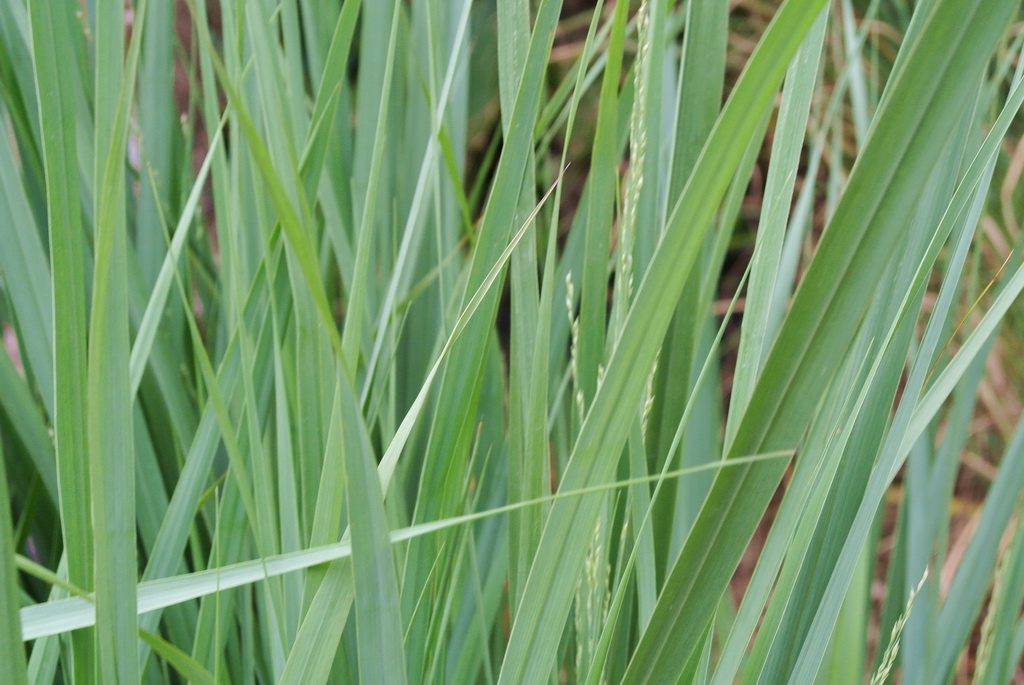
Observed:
{"x":514,"y":341}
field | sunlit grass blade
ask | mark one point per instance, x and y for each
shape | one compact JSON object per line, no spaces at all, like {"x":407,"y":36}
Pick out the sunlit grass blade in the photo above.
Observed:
{"x":55,"y":618}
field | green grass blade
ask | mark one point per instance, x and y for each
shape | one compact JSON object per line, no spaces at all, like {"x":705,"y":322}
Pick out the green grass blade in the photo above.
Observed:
{"x":378,"y":617}
{"x":28,"y":425}
{"x":109,"y":420}
{"x":147,"y":329}
{"x":26,"y":272}
{"x":51,"y":24}
{"x":755,"y":340}
{"x":12,"y":652}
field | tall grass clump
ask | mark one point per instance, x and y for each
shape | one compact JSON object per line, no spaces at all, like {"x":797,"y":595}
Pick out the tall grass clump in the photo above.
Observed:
{"x":528,"y":341}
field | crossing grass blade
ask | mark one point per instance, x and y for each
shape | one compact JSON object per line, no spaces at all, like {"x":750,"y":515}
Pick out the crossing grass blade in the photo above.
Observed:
{"x":69,"y":614}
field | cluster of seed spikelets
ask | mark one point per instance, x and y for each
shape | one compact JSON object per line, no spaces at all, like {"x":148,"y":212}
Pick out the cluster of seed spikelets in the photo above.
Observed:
{"x":637,"y":152}
{"x":984,"y":660}
{"x":893,"y":648}
{"x":592,"y":597}
{"x":592,"y":592}
{"x":574,"y":342}
{"x":648,"y":397}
